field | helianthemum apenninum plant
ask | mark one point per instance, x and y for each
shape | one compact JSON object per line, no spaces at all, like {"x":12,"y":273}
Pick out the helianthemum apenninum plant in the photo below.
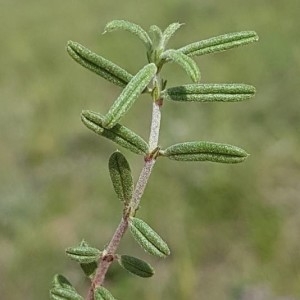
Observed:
{"x":96,"y":262}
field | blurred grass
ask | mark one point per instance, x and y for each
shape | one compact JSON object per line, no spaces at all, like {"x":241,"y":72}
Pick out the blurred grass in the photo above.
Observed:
{"x":229,"y":227}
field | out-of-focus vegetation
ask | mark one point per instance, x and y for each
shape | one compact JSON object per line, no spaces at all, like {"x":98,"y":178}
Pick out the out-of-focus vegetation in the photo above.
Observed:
{"x":233,"y":230}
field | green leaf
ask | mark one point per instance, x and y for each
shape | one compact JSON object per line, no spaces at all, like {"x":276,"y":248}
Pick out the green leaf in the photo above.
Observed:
{"x":169,"y":32}
{"x":89,"y":269}
{"x":209,"y":92}
{"x":136,"y":266}
{"x":61,"y":281}
{"x":119,"y":134}
{"x":63,"y":290}
{"x":156,"y":50}
{"x":205,"y":151}
{"x":131,"y":27}
{"x":129,"y":95}
{"x":83,"y":254}
{"x":147,"y":238}
{"x":121,"y":177}
{"x":99,"y":65}
{"x":59,"y":293}
{"x":184,"y":61}
{"x":220,"y":43}
{"x":156,"y":36}
{"x":101,"y":293}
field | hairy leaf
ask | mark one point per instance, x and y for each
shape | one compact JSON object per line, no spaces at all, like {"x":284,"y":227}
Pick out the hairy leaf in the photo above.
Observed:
{"x":169,"y":32}
{"x":131,"y":27}
{"x":136,"y":266}
{"x":209,"y":92}
{"x":220,"y":43}
{"x":156,"y":36}
{"x":99,"y":65}
{"x":58,"y":293}
{"x":147,"y":238}
{"x":129,"y":95}
{"x":205,"y":151}
{"x":83,"y":254}
{"x":121,"y":177}
{"x":62,"y":282}
{"x":101,"y":293}
{"x":119,"y":134}
{"x":184,"y":61}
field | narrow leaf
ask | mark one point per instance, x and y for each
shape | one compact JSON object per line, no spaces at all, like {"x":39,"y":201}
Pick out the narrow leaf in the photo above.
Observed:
{"x":156,"y":50}
{"x":58,"y":293}
{"x":156,"y":36}
{"x":131,"y":27}
{"x":136,"y":266}
{"x":170,"y":31}
{"x":205,"y":151}
{"x":119,"y":134}
{"x":209,"y":92}
{"x":83,"y":255}
{"x":121,"y":177}
{"x":184,"y":61}
{"x":99,"y":65}
{"x":129,"y":95}
{"x":147,"y":238}
{"x":220,"y":43}
{"x":101,"y":293}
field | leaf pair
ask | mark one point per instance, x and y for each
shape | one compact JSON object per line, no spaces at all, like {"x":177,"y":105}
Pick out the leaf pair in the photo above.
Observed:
{"x":156,"y":42}
{"x":205,"y":151}
{"x":86,"y":256}
{"x":156,"y":39}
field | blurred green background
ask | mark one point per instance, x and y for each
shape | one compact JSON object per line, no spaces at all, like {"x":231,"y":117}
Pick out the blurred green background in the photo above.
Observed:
{"x":234,"y":230}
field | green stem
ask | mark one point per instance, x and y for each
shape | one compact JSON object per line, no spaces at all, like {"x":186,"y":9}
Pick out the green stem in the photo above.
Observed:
{"x":109,"y":252}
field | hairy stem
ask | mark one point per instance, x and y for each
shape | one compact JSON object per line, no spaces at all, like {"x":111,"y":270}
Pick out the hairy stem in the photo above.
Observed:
{"x":109,"y":252}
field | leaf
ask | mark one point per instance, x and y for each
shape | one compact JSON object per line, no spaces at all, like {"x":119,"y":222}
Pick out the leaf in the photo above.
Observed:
{"x":83,"y":254}
{"x":205,"y":151}
{"x":119,"y":134}
{"x":220,"y":43}
{"x":101,"y":293}
{"x":131,"y":27}
{"x":156,"y":50}
{"x":89,"y":269}
{"x":184,"y":61}
{"x":121,"y":177}
{"x":170,"y":31}
{"x":156,"y":36}
{"x":129,"y":95}
{"x":136,"y":266}
{"x":147,"y":238}
{"x":99,"y":65}
{"x":63,"y":290}
{"x":58,"y":293}
{"x":209,"y":92}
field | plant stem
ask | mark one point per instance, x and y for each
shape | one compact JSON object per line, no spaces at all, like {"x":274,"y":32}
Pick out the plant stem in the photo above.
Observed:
{"x":109,"y":252}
